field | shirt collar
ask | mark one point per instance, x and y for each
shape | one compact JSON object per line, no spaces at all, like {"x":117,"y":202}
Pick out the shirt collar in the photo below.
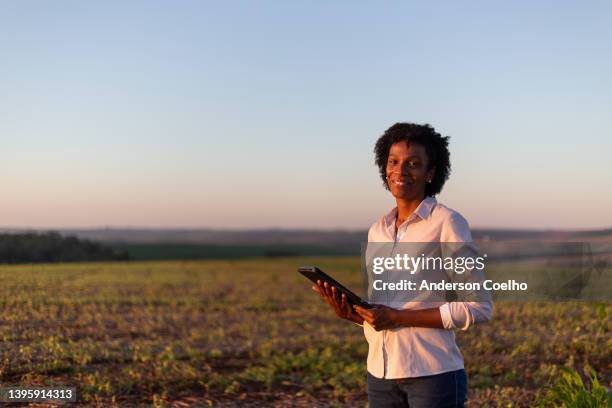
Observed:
{"x":423,"y":210}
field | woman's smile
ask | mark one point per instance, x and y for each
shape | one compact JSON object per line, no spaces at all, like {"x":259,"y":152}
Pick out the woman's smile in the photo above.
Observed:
{"x":401,"y":182}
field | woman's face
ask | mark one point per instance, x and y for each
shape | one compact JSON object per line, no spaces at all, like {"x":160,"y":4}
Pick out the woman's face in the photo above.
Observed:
{"x":408,"y":170}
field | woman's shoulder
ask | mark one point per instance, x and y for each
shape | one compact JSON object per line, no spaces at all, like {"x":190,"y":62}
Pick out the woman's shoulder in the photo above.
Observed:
{"x":380,"y":225}
{"x":455,"y":227}
{"x":447,"y":214}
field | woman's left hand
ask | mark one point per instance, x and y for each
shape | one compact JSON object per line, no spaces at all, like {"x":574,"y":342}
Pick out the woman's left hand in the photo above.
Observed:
{"x":380,"y":317}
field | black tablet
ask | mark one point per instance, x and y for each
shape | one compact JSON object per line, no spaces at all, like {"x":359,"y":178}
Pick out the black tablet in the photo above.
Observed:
{"x":314,"y":274}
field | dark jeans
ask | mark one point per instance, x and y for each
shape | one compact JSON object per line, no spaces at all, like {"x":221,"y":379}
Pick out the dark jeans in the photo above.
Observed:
{"x":433,"y":391}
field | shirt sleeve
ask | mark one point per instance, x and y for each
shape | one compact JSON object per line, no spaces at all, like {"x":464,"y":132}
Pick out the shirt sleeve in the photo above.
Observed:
{"x":462,"y":315}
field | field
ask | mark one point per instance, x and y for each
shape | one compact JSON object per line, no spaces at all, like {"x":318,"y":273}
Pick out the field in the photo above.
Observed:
{"x":251,"y":333}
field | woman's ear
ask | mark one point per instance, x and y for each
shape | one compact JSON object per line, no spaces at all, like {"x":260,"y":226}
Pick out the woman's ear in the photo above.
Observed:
{"x":430,"y":174}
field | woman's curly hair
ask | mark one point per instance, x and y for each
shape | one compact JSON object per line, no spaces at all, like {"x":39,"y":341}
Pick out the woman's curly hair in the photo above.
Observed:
{"x":435,"y":145}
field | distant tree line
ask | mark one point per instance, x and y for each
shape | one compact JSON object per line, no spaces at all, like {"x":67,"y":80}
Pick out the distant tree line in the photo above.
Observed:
{"x":53,"y":247}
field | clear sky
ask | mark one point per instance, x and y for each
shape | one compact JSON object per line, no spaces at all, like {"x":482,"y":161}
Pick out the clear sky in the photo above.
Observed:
{"x":262,"y":114}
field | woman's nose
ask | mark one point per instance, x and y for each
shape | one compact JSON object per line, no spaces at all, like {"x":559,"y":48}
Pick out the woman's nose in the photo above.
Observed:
{"x":406,"y":169}
{"x":403,"y":170}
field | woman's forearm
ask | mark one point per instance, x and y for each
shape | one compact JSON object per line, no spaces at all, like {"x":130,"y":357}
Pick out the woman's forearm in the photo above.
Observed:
{"x":354,"y":317}
{"x":420,"y":318}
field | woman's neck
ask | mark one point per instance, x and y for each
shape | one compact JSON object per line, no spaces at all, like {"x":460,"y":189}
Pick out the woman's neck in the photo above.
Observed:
{"x":406,"y":207}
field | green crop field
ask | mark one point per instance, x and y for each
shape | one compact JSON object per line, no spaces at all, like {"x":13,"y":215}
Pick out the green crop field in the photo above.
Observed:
{"x":252,"y":333}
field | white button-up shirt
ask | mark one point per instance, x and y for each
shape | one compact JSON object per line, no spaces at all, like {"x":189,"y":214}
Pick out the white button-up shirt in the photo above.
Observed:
{"x":419,"y":351}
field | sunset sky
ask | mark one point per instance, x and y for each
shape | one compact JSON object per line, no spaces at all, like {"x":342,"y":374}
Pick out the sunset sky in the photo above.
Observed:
{"x":264,"y":114}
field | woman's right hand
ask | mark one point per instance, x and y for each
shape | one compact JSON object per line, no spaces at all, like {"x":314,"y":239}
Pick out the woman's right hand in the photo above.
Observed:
{"x":340,"y":305}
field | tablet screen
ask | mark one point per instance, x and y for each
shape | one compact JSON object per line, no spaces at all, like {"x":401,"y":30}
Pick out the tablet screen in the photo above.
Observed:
{"x":313,"y":273}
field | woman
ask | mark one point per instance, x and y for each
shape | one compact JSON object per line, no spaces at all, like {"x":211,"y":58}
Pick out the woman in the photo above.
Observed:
{"x":413,"y":359}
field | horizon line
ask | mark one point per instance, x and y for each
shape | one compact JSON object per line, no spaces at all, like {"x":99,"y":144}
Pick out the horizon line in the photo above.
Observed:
{"x":276,"y":228}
